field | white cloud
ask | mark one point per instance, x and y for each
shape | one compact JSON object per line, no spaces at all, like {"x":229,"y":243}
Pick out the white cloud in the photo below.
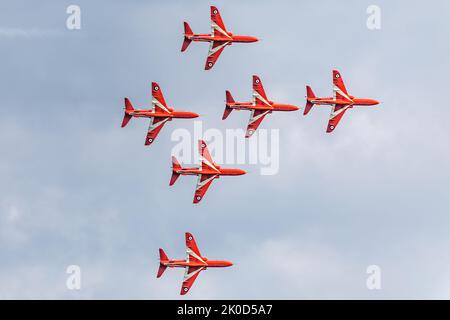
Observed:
{"x":78,"y":189}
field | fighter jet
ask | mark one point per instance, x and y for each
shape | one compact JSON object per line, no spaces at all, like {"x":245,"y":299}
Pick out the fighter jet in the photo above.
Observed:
{"x":159,"y":114}
{"x":260,"y":106}
{"x":207,"y":172}
{"x":194,"y":263}
{"x":341,"y":101}
{"x":218,"y":39}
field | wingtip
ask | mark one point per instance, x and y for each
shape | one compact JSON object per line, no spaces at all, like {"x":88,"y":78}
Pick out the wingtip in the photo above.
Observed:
{"x":256,"y":80}
{"x":189,"y":236}
{"x":155,"y":86}
{"x":336,"y":74}
{"x":148,"y":141}
{"x":183,"y":291}
{"x":209,"y":65}
{"x":201,"y":143}
{"x":249,"y":133}
{"x":197,"y":198}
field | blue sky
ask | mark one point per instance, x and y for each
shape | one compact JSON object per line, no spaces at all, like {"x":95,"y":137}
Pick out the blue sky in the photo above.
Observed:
{"x":77,"y":189}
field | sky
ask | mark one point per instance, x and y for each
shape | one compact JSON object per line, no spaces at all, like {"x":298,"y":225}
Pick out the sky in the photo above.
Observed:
{"x":76,"y":189}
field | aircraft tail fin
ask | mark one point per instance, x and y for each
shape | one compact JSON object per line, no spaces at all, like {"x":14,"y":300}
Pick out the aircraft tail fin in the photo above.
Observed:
{"x":175,"y":167}
{"x":187,"y":32}
{"x":162,"y":258}
{"x":309,"y":96}
{"x":229,"y":99}
{"x":127,"y":117}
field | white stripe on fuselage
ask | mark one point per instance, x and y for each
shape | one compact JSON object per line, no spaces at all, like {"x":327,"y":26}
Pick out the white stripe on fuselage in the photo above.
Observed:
{"x":335,"y":113}
{"x":256,"y":95}
{"x":152,"y":126}
{"x":187,"y":275}
{"x":336,"y":89}
{"x":254,"y":119}
{"x":155,"y":102}
{"x":201,"y":184}
{"x":214,"y":50}
{"x":192,"y":253}
{"x":209,"y":164}
{"x":215,"y":26}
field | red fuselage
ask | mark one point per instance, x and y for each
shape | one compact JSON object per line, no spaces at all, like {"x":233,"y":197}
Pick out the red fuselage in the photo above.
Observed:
{"x":146,"y":113}
{"x":220,"y":171}
{"x":232,"y":38}
{"x":207,"y":264}
{"x":250,"y":106}
{"x":354,"y":102}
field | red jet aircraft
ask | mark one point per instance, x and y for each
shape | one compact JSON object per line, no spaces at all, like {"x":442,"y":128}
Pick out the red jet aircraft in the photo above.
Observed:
{"x":207,"y":172}
{"x":194,"y":263}
{"x":160,"y":114}
{"x":260,"y":106}
{"x":341,"y":101}
{"x":218,"y":39}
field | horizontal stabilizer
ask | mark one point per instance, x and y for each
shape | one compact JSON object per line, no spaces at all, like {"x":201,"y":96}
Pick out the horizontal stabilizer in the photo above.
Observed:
{"x":175,"y":166}
{"x":187,"y":29}
{"x":127,"y":117}
{"x":161,"y":270}
{"x":309,"y":96}
{"x":229,"y":100}
{"x":187,"y":32}
{"x":128,"y":105}
{"x":162,"y":258}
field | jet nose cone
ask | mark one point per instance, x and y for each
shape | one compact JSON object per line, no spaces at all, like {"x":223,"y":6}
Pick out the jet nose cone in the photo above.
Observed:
{"x":254,"y":39}
{"x":286,"y":107}
{"x":375,"y":102}
{"x":195,"y":115}
{"x":241,"y":172}
{"x":229,"y":264}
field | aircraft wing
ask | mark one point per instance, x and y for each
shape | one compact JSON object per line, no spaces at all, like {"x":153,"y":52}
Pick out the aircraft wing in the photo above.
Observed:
{"x":217,"y":26}
{"x":159,"y":104}
{"x":154,"y":128}
{"x":192,"y":251}
{"x":256,"y":117}
{"x":259,"y":95}
{"x":205,"y":157}
{"x":190,"y":275}
{"x":336,"y":115}
{"x":339,"y":89}
{"x":215,"y":49}
{"x":203,"y":183}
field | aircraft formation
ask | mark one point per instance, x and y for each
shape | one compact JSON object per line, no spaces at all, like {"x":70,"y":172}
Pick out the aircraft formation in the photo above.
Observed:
{"x":259,"y":107}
